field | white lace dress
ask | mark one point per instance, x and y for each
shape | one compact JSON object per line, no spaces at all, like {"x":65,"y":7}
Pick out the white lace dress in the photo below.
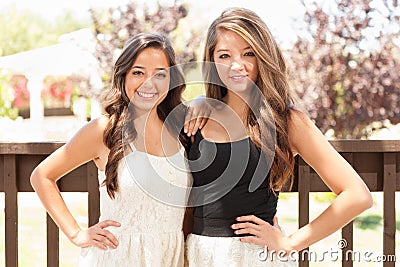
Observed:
{"x":150,"y":207}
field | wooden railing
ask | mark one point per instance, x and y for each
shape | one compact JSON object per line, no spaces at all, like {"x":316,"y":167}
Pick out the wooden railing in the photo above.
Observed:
{"x":378,"y":163}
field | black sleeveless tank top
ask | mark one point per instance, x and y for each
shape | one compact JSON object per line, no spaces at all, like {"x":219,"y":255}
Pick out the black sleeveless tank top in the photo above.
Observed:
{"x":229,"y":180}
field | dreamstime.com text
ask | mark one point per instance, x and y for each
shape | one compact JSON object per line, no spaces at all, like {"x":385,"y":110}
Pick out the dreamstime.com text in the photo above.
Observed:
{"x":332,"y":254}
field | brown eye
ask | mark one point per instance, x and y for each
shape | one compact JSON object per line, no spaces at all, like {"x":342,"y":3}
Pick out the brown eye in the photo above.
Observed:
{"x":249,"y":54}
{"x":137,"y":72}
{"x":160,"y":75}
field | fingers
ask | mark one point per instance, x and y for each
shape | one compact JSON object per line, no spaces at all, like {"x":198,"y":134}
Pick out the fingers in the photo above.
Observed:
{"x":246,"y":231}
{"x":192,"y":125}
{"x":196,"y":126}
{"x":203,"y":122}
{"x":246,"y":228}
{"x":197,"y":115}
{"x":196,"y":122}
{"x":192,"y":122}
{"x":205,"y":118}
{"x":251,"y":218}
{"x":245,"y":225}
{"x":249,"y":225}
{"x":108,"y":238}
{"x":107,"y":223}
{"x":188,"y":119}
{"x":102,"y":238}
{"x":253,"y":239}
{"x":99,"y":245}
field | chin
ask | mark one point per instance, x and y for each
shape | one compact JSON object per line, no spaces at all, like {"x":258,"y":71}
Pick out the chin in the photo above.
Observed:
{"x":143,"y":106}
{"x":238,"y":88}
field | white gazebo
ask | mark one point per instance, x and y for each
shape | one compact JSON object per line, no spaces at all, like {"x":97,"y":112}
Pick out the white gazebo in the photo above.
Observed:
{"x":72,"y":55}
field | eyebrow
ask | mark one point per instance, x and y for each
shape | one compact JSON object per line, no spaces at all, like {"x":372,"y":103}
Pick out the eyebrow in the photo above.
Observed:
{"x":225,"y":49}
{"x":141,"y":67}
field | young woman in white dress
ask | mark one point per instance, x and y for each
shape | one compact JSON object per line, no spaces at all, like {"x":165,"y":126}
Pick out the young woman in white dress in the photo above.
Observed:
{"x":136,"y":150}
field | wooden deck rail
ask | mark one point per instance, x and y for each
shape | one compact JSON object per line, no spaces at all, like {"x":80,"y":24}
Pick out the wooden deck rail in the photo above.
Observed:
{"x":377,"y":161}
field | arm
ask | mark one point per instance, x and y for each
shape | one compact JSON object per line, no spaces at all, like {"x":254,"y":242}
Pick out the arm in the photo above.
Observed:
{"x":86,"y":145}
{"x":353,"y":196}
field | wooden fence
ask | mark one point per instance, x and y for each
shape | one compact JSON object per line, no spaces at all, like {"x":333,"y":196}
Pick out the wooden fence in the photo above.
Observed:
{"x":377,"y":161}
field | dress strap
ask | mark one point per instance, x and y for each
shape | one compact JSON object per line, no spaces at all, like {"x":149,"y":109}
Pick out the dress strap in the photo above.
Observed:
{"x":132,"y":146}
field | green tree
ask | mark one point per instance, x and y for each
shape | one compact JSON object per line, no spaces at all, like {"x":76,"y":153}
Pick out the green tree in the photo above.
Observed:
{"x":6,"y":97}
{"x":114,"y":26}
{"x":345,"y":65}
{"x":22,"y":30}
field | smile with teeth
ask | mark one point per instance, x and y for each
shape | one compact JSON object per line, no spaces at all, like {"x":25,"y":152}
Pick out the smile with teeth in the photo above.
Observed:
{"x":238,"y":77}
{"x":146,"y":95}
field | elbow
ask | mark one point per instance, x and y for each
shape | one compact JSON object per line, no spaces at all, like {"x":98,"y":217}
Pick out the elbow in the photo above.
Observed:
{"x":34,"y":178}
{"x":365,"y":201}
{"x":369,"y":201}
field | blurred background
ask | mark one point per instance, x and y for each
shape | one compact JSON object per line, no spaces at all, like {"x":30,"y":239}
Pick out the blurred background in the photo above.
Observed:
{"x":56,"y":58}
{"x":342,"y":58}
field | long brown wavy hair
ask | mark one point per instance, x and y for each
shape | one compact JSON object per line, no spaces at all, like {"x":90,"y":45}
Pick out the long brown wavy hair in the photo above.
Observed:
{"x":120,"y":130}
{"x":271,"y":81}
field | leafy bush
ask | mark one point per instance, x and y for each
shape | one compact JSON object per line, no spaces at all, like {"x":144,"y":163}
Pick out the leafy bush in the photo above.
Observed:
{"x":6,"y":97}
{"x":371,"y":221}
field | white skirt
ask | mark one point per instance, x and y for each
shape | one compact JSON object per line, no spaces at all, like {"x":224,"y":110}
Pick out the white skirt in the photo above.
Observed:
{"x":229,"y":251}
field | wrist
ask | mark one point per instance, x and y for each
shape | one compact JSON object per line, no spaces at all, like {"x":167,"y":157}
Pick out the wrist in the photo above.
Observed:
{"x":291,"y":245}
{"x":73,"y":234}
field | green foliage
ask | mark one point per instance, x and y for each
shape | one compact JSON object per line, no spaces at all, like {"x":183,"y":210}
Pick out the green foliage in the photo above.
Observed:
{"x":193,"y":89}
{"x":324,"y":197}
{"x":22,"y":30}
{"x":114,"y":26}
{"x":284,"y":196}
{"x":6,"y":98}
{"x":370,"y":221}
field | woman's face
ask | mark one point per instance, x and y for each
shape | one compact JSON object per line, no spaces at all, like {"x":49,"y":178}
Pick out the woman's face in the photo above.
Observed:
{"x":235,"y":61}
{"x":147,"y":82}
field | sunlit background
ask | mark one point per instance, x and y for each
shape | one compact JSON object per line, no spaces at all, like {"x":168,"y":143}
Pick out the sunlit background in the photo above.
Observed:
{"x":55,"y":58}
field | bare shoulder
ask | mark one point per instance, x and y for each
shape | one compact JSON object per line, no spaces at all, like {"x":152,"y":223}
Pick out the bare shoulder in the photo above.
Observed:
{"x":302,"y":131}
{"x":100,"y":122}
{"x":95,"y":128}
{"x":298,"y":119}
{"x":90,"y":136}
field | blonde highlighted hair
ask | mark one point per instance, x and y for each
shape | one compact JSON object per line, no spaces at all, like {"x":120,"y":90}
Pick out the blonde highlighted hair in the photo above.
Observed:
{"x":271,"y":81}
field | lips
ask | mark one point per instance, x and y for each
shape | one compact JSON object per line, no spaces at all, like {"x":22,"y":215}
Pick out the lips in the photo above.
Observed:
{"x":238,"y":78}
{"x":146,"y":96}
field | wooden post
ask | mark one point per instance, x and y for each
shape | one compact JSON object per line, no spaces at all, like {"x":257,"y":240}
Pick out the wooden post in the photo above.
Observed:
{"x":304,"y":204}
{"x":11,"y":210}
{"x":389,"y":209}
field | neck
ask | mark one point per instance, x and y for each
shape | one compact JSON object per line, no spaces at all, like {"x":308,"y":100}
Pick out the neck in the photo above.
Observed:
{"x":238,"y":104}
{"x":142,"y":117}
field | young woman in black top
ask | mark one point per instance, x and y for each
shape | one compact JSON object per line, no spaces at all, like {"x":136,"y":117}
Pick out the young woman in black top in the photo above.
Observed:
{"x":244,"y":154}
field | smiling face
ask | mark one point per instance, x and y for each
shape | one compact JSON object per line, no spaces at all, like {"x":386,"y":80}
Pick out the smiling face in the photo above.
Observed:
{"x":147,"y":82}
{"x":235,"y":61}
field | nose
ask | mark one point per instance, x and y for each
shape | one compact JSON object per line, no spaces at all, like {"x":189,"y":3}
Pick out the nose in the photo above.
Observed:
{"x":148,"y":84}
{"x":237,"y":65}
